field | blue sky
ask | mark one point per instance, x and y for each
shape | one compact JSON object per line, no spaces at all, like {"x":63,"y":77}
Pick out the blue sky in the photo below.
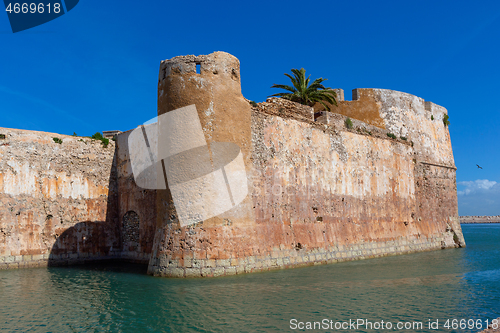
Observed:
{"x":96,"y":67}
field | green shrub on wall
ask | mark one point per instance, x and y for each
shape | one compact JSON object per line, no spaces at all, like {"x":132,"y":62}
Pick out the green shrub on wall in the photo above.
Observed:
{"x":98,"y":136}
{"x":348,"y":123}
{"x":446,"y":122}
{"x":392,"y":136}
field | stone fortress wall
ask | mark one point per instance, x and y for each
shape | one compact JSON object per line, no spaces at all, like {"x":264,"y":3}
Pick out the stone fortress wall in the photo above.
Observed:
{"x":318,"y":191}
{"x":58,"y":201}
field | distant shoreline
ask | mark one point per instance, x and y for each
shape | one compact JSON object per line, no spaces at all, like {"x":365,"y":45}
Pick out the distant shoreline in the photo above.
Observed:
{"x":479,"y":219}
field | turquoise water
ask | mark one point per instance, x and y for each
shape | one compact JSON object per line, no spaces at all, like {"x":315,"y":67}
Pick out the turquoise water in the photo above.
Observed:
{"x":447,"y":284}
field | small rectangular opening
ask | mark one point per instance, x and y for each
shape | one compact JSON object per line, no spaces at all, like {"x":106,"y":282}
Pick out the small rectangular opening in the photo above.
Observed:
{"x":198,"y":68}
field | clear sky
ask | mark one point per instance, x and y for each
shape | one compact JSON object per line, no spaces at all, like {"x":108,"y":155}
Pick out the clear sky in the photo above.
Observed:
{"x":96,"y":67}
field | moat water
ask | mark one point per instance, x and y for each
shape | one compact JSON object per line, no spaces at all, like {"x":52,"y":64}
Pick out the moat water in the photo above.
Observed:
{"x":439,"y":285}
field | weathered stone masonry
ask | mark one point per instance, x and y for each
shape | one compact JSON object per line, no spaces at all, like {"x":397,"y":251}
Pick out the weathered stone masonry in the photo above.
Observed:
{"x":58,"y":201}
{"x":318,"y":192}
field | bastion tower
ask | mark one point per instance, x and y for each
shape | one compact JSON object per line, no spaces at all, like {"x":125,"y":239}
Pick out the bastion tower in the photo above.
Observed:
{"x":318,"y":191}
{"x":212,"y":84}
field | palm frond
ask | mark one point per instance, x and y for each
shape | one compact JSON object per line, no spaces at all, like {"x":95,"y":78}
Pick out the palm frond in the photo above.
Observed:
{"x":294,"y":81}
{"x":285,"y":87}
{"x":305,"y":92}
{"x":325,"y":105}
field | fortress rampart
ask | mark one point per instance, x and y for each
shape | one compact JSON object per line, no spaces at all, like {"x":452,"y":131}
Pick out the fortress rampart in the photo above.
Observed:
{"x":57,"y":203}
{"x":318,"y":191}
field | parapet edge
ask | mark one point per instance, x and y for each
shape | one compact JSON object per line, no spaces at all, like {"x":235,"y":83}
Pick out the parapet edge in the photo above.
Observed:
{"x":357,"y":93}
{"x":215,"y":63}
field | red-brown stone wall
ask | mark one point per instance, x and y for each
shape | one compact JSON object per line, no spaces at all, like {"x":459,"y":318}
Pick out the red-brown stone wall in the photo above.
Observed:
{"x":58,"y":200}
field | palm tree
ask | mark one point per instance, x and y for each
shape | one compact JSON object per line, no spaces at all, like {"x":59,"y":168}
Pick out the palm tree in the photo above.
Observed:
{"x":306,"y":94}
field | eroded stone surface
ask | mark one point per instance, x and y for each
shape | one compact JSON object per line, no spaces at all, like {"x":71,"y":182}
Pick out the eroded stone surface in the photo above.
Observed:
{"x":319,"y":192}
{"x":58,"y":201}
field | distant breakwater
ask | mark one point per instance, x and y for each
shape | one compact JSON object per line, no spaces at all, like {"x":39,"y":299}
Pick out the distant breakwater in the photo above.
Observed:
{"x":479,"y":219}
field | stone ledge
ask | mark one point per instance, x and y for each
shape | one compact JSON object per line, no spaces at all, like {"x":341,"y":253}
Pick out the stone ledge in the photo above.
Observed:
{"x":282,"y":259}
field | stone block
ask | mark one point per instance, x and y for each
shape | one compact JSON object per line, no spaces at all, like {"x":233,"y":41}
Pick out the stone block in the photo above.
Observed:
{"x":240,"y":269}
{"x":207,"y":272}
{"x":42,"y":263}
{"x":13,"y":265}
{"x":223,"y":262}
{"x":200,"y":255}
{"x":249,"y":268}
{"x":188,"y":263}
{"x":176,"y":272}
{"x":279,"y":262}
{"x":218,"y":271}
{"x":230,"y":270}
{"x":32,"y":264}
{"x":224,"y":255}
{"x":193,"y":272}
{"x":197,"y":263}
